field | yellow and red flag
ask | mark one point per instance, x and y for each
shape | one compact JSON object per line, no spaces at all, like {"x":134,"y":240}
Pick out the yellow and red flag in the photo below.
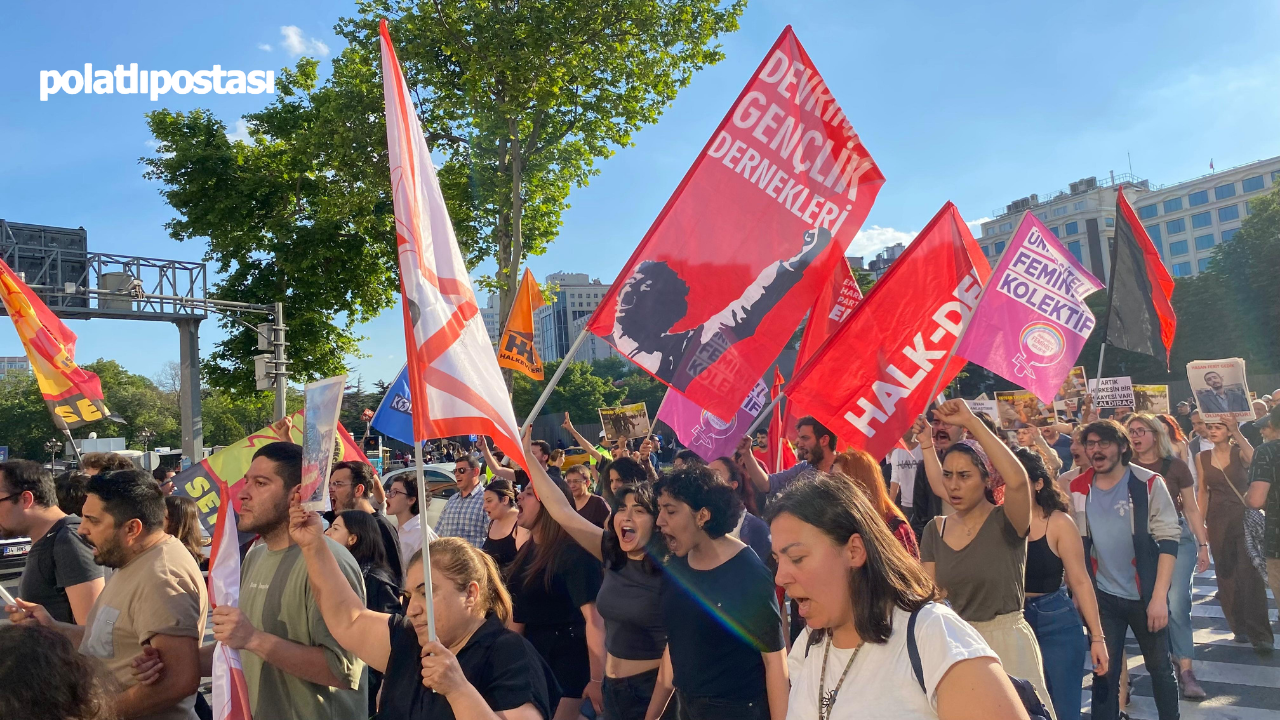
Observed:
{"x":515,"y":349}
{"x":74,"y":395}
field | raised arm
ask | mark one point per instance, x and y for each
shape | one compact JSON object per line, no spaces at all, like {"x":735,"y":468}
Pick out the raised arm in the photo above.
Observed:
{"x":751,"y":464}
{"x":1051,"y":459}
{"x":363,"y":632}
{"x":498,"y":470}
{"x":932,"y":465}
{"x":1246,"y":447}
{"x":582,"y":530}
{"x":1017,"y":491}
{"x":590,"y":447}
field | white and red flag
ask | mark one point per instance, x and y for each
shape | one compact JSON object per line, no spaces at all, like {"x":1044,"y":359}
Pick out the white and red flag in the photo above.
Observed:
{"x":455,"y":385}
{"x":230,"y":693}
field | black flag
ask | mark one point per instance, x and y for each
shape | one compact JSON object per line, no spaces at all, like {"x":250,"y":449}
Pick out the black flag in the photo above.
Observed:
{"x":1139,"y":315}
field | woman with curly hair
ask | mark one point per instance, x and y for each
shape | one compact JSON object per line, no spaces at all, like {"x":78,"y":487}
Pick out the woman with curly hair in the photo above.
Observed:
{"x":44,"y":677}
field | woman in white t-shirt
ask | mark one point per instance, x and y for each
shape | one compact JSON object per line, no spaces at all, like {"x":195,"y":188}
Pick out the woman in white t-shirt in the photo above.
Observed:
{"x":857,"y":587}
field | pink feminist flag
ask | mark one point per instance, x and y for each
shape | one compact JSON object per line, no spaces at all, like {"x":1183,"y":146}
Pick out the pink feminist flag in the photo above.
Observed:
{"x":1032,"y":320}
{"x":704,"y":433}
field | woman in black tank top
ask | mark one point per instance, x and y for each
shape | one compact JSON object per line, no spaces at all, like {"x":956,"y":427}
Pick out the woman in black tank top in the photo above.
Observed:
{"x":505,"y":536}
{"x":1054,"y":549}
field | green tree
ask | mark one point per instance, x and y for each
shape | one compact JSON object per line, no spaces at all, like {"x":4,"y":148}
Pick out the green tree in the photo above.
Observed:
{"x":519,"y":99}
{"x":579,"y":392}
{"x":24,"y":417}
{"x":642,"y":387}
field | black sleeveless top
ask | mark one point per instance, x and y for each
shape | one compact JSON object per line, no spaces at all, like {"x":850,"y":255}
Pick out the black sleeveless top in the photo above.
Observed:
{"x":502,"y":550}
{"x":1044,"y":569}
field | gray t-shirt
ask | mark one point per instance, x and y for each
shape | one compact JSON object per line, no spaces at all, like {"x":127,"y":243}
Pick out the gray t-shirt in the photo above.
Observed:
{"x":984,"y":579}
{"x":57,"y":561}
{"x":1112,"y":531}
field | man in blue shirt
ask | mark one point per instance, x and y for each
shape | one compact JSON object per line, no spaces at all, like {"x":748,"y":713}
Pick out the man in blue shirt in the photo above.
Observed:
{"x":815,"y":449}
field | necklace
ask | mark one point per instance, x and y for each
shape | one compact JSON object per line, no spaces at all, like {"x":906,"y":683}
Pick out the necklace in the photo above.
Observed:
{"x":826,"y":701}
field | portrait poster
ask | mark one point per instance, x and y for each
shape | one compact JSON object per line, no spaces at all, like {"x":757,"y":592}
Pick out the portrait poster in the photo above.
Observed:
{"x":1220,"y":388}
{"x":323,"y":400}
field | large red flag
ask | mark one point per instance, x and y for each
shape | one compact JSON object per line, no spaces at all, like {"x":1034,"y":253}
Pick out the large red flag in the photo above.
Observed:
{"x":736,"y":257}
{"x":839,"y":296}
{"x":1140,"y":313}
{"x":455,"y":385}
{"x":781,"y":454}
{"x":873,"y":377}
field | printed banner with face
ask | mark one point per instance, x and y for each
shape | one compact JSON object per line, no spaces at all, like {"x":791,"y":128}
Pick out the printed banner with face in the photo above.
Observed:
{"x":737,"y":256}
{"x":875,"y":375}
{"x":319,"y":439}
{"x":1221,"y":389}
{"x":1032,"y":321}
{"x":704,"y":433}
{"x":1021,"y":408}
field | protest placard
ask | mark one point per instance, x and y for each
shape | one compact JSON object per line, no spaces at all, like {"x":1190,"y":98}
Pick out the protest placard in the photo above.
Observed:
{"x":319,"y":438}
{"x":1220,"y":388}
{"x":1113,"y":392}
{"x":1020,"y":406}
{"x":1151,"y":398}
{"x":984,"y":405}
{"x":1075,"y":386}
{"x":627,"y":421}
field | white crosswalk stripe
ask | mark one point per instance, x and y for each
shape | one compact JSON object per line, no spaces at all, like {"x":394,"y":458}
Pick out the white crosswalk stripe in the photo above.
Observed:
{"x":1241,"y":684}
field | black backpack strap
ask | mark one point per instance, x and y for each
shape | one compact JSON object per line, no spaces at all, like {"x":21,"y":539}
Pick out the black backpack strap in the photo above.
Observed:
{"x":913,"y":650}
{"x":1164,"y":467}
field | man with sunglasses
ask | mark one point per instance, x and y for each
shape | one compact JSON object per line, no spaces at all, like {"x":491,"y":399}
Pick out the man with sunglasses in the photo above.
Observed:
{"x":60,"y":573}
{"x":1131,"y":533}
{"x":463,"y":515}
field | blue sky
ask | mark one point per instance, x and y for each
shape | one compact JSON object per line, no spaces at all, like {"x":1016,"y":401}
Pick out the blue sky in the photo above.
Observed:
{"x":978,"y":103}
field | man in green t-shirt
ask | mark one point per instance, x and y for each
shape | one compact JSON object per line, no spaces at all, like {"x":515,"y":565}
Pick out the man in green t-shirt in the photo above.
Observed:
{"x":292,"y":665}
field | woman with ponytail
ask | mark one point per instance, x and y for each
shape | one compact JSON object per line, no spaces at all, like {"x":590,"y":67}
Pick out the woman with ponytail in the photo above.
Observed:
{"x":475,"y":669}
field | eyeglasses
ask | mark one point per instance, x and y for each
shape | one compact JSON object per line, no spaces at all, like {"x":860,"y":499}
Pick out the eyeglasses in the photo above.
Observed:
{"x":339,"y":484}
{"x":397,"y":493}
{"x":1138,"y":432}
{"x":461,"y":470}
{"x":11,"y":497}
{"x":1100,"y":444}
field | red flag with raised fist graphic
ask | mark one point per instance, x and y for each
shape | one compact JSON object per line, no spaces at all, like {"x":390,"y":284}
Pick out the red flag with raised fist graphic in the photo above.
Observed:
{"x":736,"y":257}
{"x":873,"y":376}
{"x":839,"y":296}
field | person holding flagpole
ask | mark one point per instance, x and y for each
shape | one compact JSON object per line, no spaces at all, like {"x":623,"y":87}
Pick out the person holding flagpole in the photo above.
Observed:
{"x":474,"y":668}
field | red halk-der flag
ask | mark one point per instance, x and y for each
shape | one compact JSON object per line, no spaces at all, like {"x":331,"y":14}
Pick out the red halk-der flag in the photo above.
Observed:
{"x":230,"y":692}
{"x":746,"y":242}
{"x":455,"y":385}
{"x":834,"y":305}
{"x":874,"y":376}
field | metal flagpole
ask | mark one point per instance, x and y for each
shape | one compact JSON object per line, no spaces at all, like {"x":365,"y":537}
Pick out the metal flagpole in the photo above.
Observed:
{"x":67,"y":431}
{"x":768,"y":412}
{"x":1102,"y":353}
{"x":555,"y":378}
{"x":426,"y":544}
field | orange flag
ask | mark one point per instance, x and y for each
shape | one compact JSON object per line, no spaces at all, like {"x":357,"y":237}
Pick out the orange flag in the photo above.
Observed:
{"x":515,"y":350}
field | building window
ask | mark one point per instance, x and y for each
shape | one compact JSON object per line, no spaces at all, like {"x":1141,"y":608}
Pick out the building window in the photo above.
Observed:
{"x":1204,"y":242}
{"x":1200,"y":220}
{"x":1006,"y":226}
{"x":1228,"y":234}
{"x":1146,"y":212}
{"x":1222,"y":192}
{"x":1228,"y":213}
{"x":1072,"y":227}
{"x":1182,"y":270}
{"x":1074,"y":247}
{"x":1173,"y":227}
{"x":1198,"y":198}
{"x":1202,"y":264}
{"x":1248,"y":208}
{"x":1110,"y":222}
{"x":1153,"y":232}
{"x":1077,"y":206}
{"x":1252,"y":184}
{"x":999,"y":247}
{"x":1042,"y":216}
{"x":1177,"y":249}
{"x":1173,"y":205}
{"x":986,"y":250}
{"x":1059,"y":211}
{"x":1054,"y":230}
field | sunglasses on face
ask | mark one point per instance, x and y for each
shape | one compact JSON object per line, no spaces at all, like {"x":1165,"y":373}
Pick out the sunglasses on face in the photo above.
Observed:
{"x":461,"y":471}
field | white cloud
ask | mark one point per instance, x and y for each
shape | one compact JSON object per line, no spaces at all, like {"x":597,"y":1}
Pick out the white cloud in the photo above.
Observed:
{"x":264,"y":46}
{"x":975,"y":226}
{"x":870,"y":240}
{"x":241,"y":132}
{"x":298,"y":44}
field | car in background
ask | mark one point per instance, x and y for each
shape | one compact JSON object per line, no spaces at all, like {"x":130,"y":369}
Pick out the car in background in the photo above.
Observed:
{"x":13,"y":554}
{"x":575,"y":456}
{"x":440,"y":486}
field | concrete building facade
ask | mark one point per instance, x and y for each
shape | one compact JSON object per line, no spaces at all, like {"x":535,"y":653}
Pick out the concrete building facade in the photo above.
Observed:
{"x":16,"y":364}
{"x":1186,"y":220}
{"x":554,"y":327}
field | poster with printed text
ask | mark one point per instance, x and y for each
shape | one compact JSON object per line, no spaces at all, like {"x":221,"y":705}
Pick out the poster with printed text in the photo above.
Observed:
{"x":319,"y":439}
{"x":1113,"y":392}
{"x":1220,"y":388}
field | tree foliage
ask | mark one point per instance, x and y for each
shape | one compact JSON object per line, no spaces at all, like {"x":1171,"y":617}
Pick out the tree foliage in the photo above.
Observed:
{"x":519,"y":99}
{"x":579,"y":392}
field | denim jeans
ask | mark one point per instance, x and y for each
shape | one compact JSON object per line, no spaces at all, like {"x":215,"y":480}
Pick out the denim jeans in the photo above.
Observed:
{"x":627,"y":698}
{"x":1180,"y":643}
{"x":1119,"y":615}
{"x":1063,"y":646}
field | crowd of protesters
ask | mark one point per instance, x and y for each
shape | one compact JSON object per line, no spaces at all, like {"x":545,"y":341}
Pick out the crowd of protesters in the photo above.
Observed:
{"x":968,"y":575}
